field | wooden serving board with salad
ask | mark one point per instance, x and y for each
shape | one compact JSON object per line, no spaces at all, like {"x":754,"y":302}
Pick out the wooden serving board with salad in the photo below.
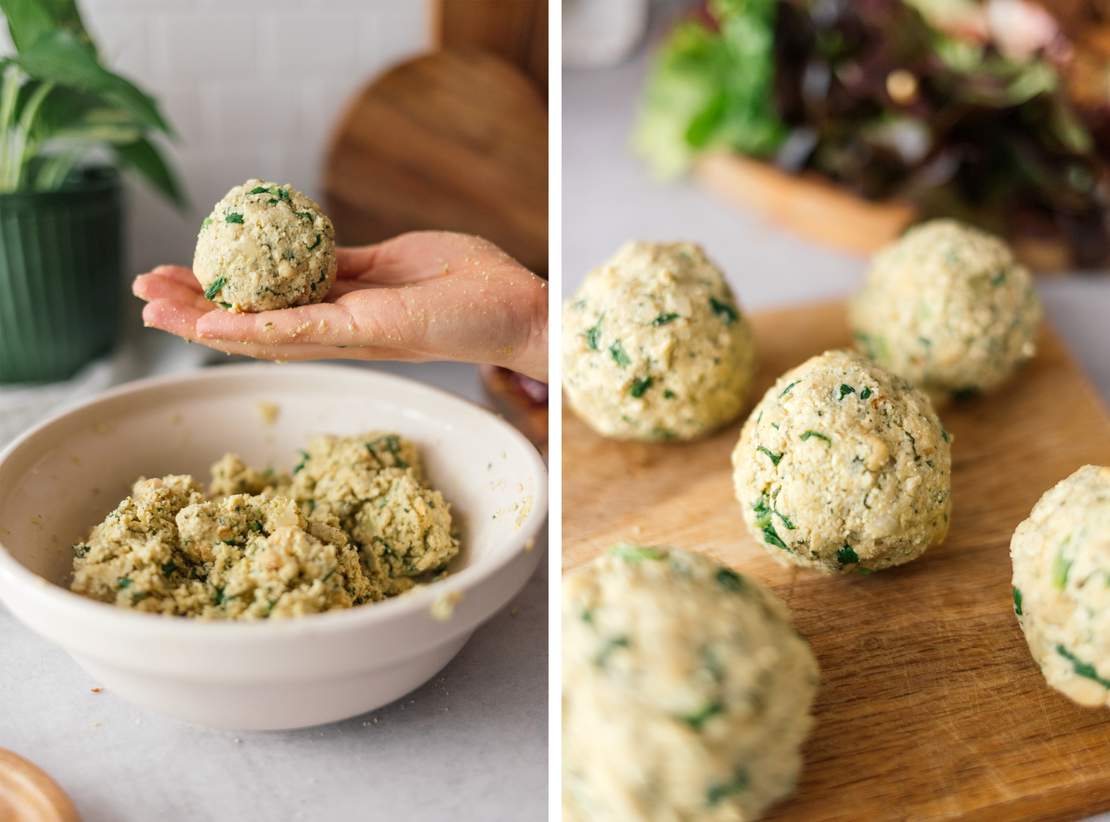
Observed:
{"x":930,"y":706}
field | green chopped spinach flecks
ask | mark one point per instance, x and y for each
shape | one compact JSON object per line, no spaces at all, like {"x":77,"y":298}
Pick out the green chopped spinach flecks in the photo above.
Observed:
{"x":723,"y":310}
{"x":718,"y":792}
{"x":392,"y":444}
{"x":587,"y":616}
{"x":315,"y":243}
{"x":636,"y":553}
{"x":593,"y":335}
{"x":225,"y":305}
{"x":772,"y":537}
{"x":944,"y":435}
{"x":865,"y":394}
{"x":218,"y":596}
{"x":730,"y":580}
{"x":283,"y":194}
{"x":214,"y":287}
{"x":234,"y":217}
{"x":259,"y":190}
{"x":207,"y":221}
{"x":617,"y":352}
{"x":256,"y":526}
{"x":307,"y":216}
{"x":300,"y":465}
{"x":786,"y":390}
{"x":847,"y":556}
{"x":168,"y":568}
{"x":1083,"y":669}
{"x":771,"y":455}
{"x":663,"y":319}
{"x":640,"y":385}
{"x":608,"y":648}
{"x":845,"y":390}
{"x":668,"y":394}
{"x":998,"y":279}
{"x":925,"y":341}
{"x":811,"y":433}
{"x":764,"y":514}
{"x":1061,"y":568}
{"x":1017,"y":601}
{"x":698,"y":718}
{"x":123,"y":582}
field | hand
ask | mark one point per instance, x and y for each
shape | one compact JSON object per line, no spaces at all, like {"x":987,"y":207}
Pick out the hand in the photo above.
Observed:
{"x":422,"y":296}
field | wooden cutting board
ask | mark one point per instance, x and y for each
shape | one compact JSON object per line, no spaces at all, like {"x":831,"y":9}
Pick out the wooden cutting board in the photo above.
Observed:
{"x":930,"y":706}
{"x":455,"y":140}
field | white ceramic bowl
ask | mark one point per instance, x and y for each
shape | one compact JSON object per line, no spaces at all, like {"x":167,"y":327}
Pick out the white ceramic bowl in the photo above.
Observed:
{"x":63,"y":476}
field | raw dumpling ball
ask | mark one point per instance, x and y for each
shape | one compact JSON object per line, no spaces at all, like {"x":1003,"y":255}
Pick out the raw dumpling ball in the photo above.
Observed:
{"x":654,"y":346}
{"x":265,"y":246}
{"x":844,"y":467}
{"x":949,"y":308}
{"x":686,"y":691}
{"x":1061,"y":585}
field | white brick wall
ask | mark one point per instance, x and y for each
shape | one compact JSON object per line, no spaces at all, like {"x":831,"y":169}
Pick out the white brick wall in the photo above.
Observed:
{"x":253,"y":88}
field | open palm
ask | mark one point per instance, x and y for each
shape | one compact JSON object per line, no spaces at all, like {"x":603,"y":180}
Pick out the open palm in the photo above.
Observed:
{"x":421,"y":296}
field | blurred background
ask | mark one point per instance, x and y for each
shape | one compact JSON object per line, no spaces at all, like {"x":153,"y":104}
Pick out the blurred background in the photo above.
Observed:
{"x":794,"y":137}
{"x":394,"y":116}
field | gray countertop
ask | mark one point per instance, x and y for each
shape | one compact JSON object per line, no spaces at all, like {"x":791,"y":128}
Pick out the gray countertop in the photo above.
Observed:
{"x":471,"y":744}
{"x":609,"y":197}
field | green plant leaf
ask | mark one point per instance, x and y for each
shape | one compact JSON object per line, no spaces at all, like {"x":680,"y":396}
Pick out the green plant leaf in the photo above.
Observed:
{"x":31,"y":20}
{"x":61,"y":58}
{"x":144,"y":157}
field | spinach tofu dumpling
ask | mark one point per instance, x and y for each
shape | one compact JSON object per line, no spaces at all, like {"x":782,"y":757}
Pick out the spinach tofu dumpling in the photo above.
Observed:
{"x":1061,"y":585}
{"x":654,"y":346}
{"x":265,"y":246}
{"x":844,"y":467}
{"x":686,"y":690}
{"x":948,"y":308}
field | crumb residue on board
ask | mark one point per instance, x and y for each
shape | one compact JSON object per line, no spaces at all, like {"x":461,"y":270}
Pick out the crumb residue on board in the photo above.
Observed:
{"x":269,"y":412}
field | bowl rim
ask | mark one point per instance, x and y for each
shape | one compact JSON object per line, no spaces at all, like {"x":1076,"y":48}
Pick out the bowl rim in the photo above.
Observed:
{"x":71,"y":605}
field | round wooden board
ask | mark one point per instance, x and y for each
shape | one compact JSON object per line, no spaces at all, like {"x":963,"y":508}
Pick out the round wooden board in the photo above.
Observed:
{"x":28,"y":794}
{"x":455,"y":140}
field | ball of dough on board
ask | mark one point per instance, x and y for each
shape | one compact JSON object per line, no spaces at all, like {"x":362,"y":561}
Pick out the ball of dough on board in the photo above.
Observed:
{"x":1061,"y":584}
{"x":949,"y":308}
{"x":686,"y":690}
{"x":655,"y":347}
{"x":844,"y":467}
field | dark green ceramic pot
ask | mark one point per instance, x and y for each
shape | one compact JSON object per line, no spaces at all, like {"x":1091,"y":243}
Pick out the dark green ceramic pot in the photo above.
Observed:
{"x":61,"y":256}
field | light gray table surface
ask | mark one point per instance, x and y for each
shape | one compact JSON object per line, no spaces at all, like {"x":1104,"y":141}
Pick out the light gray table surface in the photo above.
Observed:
{"x":469,"y":745}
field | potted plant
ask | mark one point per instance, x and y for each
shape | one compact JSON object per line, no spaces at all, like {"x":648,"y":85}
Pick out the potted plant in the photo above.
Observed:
{"x":66,"y":124}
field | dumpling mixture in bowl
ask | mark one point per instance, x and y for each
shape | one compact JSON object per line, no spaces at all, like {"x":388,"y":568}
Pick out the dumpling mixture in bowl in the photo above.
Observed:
{"x":948,"y":308}
{"x":655,"y":347}
{"x":844,"y":467}
{"x":355,"y":523}
{"x":265,"y":246}
{"x":1061,"y":585}
{"x":686,"y":690}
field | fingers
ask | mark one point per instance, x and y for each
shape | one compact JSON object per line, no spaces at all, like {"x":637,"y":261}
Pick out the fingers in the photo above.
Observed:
{"x":177,"y":273}
{"x":152,"y":287}
{"x":320,"y":324}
